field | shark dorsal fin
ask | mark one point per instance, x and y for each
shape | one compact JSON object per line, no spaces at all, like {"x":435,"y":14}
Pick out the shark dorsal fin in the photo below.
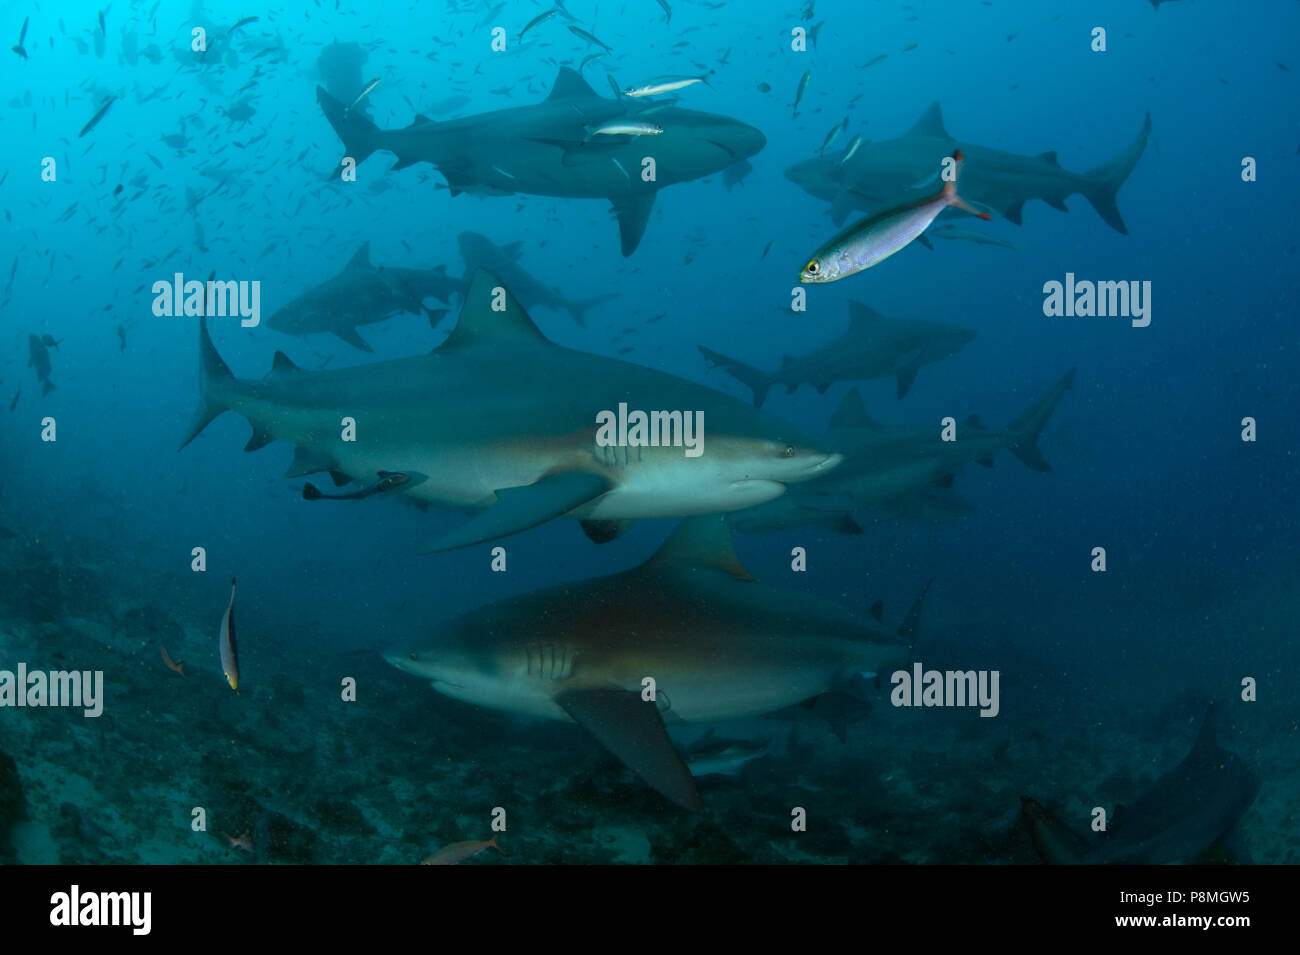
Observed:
{"x":930,"y":124}
{"x":479,"y":321}
{"x":361,"y":260}
{"x":701,"y":542}
{"x":1050,"y":156}
{"x":864,"y":315}
{"x":282,"y":364}
{"x":852,"y":413}
{"x":421,"y":120}
{"x":570,"y":85}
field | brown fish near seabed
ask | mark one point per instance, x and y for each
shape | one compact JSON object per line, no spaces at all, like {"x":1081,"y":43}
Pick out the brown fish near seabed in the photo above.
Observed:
{"x":458,"y":852}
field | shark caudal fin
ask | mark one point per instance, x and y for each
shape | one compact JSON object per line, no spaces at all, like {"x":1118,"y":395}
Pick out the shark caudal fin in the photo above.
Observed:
{"x":757,"y":380}
{"x":1105,"y":181}
{"x":579,"y":307}
{"x":1029,"y":425}
{"x":359,"y":135}
{"x":212,"y":371}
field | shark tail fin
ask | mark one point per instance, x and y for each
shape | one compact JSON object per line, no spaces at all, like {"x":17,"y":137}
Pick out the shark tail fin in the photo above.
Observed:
{"x":578,"y":308}
{"x":359,"y":135}
{"x":757,"y":380}
{"x":1106,"y":181}
{"x":212,"y":370}
{"x":1029,"y":425}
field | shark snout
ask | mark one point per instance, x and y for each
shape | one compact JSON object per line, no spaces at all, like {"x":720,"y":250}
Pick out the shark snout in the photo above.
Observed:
{"x":824,"y":463}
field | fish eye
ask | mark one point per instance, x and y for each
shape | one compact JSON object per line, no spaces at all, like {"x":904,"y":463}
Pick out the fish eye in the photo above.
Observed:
{"x":812,"y":267}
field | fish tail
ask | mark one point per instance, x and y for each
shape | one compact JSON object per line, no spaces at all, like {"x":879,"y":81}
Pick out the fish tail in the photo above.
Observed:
{"x":1104,"y":182}
{"x":1055,"y":844}
{"x":950,"y":191}
{"x":757,"y":380}
{"x":360,"y":136}
{"x":1029,"y":425}
{"x":578,"y":307}
{"x":212,"y":371}
{"x":46,"y":386}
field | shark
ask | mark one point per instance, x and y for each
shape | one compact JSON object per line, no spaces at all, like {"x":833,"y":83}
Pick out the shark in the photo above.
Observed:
{"x":500,"y":420}
{"x":1183,"y":816}
{"x":886,"y":172}
{"x":873,"y":346}
{"x":546,"y":149}
{"x":480,"y":252}
{"x":362,"y":294}
{"x":902,"y":472}
{"x":687,"y":637}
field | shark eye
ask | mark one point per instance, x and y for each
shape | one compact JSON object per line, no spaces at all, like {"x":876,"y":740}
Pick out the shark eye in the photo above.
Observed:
{"x":812,"y":267}
{"x":789,"y":451}
{"x":411,"y":654}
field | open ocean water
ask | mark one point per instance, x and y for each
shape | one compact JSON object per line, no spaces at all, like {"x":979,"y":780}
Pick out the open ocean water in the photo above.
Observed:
{"x":1107,"y":611}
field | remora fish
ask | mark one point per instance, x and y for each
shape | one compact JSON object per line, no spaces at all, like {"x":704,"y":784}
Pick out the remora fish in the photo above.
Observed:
{"x":226,"y":642}
{"x":877,"y":237}
{"x":363,"y":294}
{"x":544,"y":150}
{"x":1001,"y":180}
{"x":1182,"y":816}
{"x":664,"y":84}
{"x":873,"y":346}
{"x":479,"y":252}
{"x":620,"y":127}
{"x":458,"y":852}
{"x":718,"y":645}
{"x":979,"y":238}
{"x":504,"y":421}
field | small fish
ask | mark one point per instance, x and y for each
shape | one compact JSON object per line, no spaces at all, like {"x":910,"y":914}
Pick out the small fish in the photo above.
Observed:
{"x":171,"y":664}
{"x":21,"y":37}
{"x":979,"y":238}
{"x":803,"y":88}
{"x":458,"y":852}
{"x":586,"y":60}
{"x":537,"y":21}
{"x":121,"y":337}
{"x":14,"y":404}
{"x":877,"y":237}
{"x":226,"y":642}
{"x":668,"y":11}
{"x":584,"y":35}
{"x":766,"y":249}
{"x":242,"y":23}
{"x":664,"y":84}
{"x":830,"y":137}
{"x":94,"y":120}
{"x":765,"y":87}
{"x":874,"y":60}
{"x":244,"y":842}
{"x":102,"y":28}
{"x":387,"y":481}
{"x":49,"y":342}
{"x":854,"y":143}
{"x":625,"y":128}
{"x":362,"y":95}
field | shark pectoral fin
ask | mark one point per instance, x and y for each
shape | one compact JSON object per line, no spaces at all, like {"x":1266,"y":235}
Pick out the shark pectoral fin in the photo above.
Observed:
{"x":633,"y":214}
{"x":519,"y":508}
{"x":350,"y":336}
{"x":703,"y":541}
{"x":259,"y":440}
{"x":633,"y":730}
{"x":402,"y":163}
{"x":907,"y":375}
{"x":841,"y":206}
{"x":1015,"y":212}
{"x":602,"y":532}
{"x":925,"y":241}
{"x":306,"y":461}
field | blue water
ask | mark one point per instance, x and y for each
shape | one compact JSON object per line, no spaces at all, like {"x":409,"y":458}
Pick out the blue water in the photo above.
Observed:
{"x":1200,"y":527}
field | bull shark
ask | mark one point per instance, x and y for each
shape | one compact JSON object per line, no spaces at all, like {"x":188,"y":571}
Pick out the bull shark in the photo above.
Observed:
{"x":902,"y":472}
{"x":546,"y":150}
{"x":886,"y":172}
{"x":500,"y":419}
{"x":717,"y":645}
{"x":363,"y":294}
{"x":480,"y":252}
{"x":1184,"y":815}
{"x":873,"y":347}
